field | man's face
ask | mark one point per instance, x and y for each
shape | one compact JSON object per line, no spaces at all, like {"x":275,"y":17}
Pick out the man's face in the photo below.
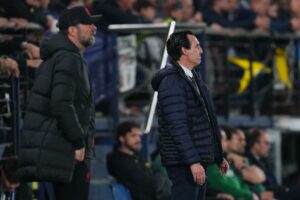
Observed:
{"x":295,"y":6}
{"x":188,"y":9}
{"x":132,"y":140}
{"x":263,"y":145}
{"x":126,"y":4}
{"x":194,"y":53}
{"x":260,"y":7}
{"x":232,"y":5}
{"x":85,"y":34}
{"x":149,"y":12}
{"x":237,"y":143}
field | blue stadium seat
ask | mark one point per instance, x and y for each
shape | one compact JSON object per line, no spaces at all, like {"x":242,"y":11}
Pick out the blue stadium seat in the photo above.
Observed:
{"x":120,"y":192}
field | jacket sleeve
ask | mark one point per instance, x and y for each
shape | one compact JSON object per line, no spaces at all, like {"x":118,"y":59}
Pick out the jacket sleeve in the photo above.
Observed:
{"x":227,"y":184}
{"x":91,"y":129}
{"x":173,"y":105}
{"x":65,"y":76}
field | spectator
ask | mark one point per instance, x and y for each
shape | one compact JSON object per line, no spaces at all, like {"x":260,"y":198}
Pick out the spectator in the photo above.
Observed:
{"x":229,"y":14}
{"x":228,"y":183}
{"x":25,"y":11}
{"x":190,"y":14}
{"x":24,"y":53}
{"x":146,"y":9}
{"x":236,"y":145}
{"x":116,"y":12}
{"x":251,"y":174}
{"x":11,"y":187}
{"x":258,"y":146}
{"x":128,"y":166}
{"x":291,"y":17}
{"x":176,"y":11}
{"x":10,"y":66}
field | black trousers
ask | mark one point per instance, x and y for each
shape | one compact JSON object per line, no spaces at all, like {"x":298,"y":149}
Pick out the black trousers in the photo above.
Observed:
{"x":183,"y":185}
{"x":78,"y":188}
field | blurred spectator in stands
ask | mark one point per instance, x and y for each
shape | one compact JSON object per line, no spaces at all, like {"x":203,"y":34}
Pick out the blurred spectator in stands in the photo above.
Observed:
{"x":24,"y":53}
{"x":285,"y":17}
{"x":258,"y":146}
{"x":146,"y":9}
{"x":116,"y":12}
{"x":11,"y":188}
{"x":230,"y":14}
{"x":201,"y":5}
{"x":176,"y":12}
{"x":229,"y":183}
{"x":251,"y":174}
{"x":190,"y":14}
{"x":24,"y":11}
{"x":261,"y":10}
{"x":9,"y":66}
{"x":295,"y":14}
{"x":128,"y":166}
{"x":236,"y":146}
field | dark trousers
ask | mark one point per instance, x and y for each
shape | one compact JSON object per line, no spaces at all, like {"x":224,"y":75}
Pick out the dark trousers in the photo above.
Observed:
{"x":78,"y":188}
{"x":183,"y":185}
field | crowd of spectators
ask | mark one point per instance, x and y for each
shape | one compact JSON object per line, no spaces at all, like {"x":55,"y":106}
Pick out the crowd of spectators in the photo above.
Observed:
{"x":15,"y":15}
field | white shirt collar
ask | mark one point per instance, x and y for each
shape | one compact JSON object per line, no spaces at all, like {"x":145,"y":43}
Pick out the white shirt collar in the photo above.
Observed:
{"x":187,"y":71}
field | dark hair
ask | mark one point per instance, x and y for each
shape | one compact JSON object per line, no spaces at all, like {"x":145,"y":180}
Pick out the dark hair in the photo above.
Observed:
{"x":177,"y":5}
{"x":177,"y":41}
{"x":253,"y":136}
{"x":9,"y":167}
{"x":140,"y":4}
{"x":124,"y":128}
{"x":229,"y":131}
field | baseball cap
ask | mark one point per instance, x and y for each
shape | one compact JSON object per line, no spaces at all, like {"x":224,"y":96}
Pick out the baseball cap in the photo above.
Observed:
{"x":76,"y":15}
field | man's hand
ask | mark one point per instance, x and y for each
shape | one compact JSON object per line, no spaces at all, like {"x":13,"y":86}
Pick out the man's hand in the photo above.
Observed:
{"x":224,"y":167}
{"x":225,"y":196}
{"x":13,"y":67}
{"x":267,"y":195}
{"x":32,"y":50}
{"x":255,"y":197}
{"x":79,"y":154}
{"x":238,"y":161}
{"x":34,"y":63}
{"x":198,"y":173}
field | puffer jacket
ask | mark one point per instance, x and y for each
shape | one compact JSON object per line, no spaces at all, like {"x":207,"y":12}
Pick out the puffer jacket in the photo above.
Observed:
{"x":188,"y":125}
{"x":59,"y":116}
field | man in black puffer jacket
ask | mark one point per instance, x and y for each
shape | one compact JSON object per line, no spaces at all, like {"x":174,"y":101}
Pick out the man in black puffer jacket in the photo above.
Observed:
{"x":59,"y":122}
{"x":189,"y":133}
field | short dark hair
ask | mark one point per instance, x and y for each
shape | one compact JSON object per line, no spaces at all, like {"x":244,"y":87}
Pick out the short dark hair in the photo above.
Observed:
{"x":253,"y":136}
{"x":124,"y":128}
{"x":177,"y":41}
{"x":142,"y":4}
{"x":229,"y":131}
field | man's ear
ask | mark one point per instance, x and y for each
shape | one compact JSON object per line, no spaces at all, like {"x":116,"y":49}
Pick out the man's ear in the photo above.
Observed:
{"x":121,"y":139}
{"x":183,"y":50}
{"x":72,"y":30}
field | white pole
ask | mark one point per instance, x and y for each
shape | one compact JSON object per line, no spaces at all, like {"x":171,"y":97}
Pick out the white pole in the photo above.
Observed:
{"x":154,"y":100}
